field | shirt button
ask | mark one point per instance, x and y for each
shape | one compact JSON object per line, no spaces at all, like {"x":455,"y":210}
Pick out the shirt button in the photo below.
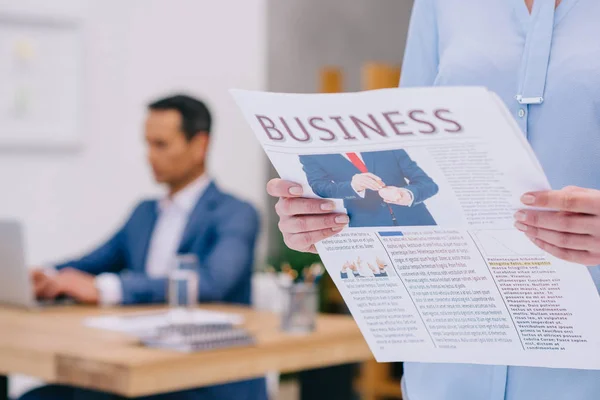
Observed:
{"x":521,"y":113}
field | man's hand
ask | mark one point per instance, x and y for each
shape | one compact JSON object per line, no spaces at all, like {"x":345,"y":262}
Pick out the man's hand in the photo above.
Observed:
{"x":78,"y":285}
{"x":396,"y":195}
{"x":367,"y":180}
{"x":70,"y":282}
{"x":45,"y":286}
{"x":570,"y":230}
{"x":303,"y":221}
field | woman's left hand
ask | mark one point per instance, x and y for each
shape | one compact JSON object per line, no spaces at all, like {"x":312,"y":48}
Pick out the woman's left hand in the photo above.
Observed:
{"x":570,"y":229}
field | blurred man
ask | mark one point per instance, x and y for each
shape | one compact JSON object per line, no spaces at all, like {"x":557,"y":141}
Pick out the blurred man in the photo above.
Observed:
{"x":193,"y":217}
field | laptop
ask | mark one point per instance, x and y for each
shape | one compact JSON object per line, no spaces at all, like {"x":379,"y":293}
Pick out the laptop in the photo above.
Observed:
{"x":15,"y":286}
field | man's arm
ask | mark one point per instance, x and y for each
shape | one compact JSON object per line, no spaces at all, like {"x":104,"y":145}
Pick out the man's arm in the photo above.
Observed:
{"x":228,"y":263}
{"x":109,"y":257}
{"x":98,"y":270}
{"x":420,"y":184}
{"x":91,"y":279}
{"x":321,"y":183}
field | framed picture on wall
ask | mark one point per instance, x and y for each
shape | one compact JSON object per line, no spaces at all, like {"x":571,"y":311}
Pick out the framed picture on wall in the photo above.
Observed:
{"x":40,"y":80}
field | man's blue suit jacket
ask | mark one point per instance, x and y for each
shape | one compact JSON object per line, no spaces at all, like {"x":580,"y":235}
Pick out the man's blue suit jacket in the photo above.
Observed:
{"x":221,"y":232}
{"x":330,"y":175}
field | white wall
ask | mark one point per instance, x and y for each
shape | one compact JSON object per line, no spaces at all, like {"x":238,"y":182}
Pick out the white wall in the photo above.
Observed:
{"x":134,"y":51}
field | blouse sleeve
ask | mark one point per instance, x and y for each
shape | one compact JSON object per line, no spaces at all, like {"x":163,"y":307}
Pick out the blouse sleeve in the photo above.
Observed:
{"x":421,"y":58}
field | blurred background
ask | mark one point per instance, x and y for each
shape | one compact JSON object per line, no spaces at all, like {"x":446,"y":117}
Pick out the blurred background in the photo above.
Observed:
{"x":78,"y":75}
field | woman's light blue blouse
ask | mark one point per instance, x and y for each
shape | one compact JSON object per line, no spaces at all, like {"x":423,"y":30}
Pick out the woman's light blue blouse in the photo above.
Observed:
{"x":546,"y":68}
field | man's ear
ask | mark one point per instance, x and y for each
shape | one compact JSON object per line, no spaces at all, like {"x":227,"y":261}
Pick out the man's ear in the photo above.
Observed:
{"x":199,"y":145}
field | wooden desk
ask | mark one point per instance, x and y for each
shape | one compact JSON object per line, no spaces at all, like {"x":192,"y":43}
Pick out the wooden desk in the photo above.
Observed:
{"x":53,"y":344}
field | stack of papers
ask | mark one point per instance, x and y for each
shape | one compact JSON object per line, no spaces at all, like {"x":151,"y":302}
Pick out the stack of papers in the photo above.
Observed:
{"x":143,"y":324}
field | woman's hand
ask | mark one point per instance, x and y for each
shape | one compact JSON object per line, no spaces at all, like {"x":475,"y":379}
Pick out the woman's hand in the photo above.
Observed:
{"x":304,"y":221}
{"x":571,"y":231}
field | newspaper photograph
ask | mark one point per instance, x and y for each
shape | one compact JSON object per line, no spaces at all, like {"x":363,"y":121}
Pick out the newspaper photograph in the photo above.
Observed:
{"x":431,"y":266}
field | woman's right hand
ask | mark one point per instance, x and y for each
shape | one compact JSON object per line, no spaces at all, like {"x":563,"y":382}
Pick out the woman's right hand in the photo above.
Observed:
{"x":304,"y":221}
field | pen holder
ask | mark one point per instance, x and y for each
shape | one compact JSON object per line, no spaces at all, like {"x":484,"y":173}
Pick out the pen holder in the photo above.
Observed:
{"x":299,"y":308}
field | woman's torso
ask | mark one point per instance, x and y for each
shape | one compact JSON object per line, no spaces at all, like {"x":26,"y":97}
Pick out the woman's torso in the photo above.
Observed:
{"x":481,"y":42}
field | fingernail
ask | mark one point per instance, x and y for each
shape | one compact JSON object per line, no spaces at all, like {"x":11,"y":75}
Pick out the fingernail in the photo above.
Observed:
{"x":521,"y":227}
{"x":295,"y":190}
{"x":327,"y":206}
{"x":337,"y":229}
{"x":520,"y":216}
{"x":342,"y":219}
{"x":528,"y":199}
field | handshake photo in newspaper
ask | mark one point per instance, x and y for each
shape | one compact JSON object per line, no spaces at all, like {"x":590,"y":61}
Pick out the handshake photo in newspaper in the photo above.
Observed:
{"x":379,"y":188}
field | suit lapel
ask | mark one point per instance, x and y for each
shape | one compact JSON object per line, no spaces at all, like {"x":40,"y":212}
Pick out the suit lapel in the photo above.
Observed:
{"x":344,"y":160}
{"x":198,"y":221}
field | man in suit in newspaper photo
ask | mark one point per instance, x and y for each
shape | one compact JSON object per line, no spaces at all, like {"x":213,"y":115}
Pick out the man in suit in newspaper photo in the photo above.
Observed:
{"x":379,"y":188}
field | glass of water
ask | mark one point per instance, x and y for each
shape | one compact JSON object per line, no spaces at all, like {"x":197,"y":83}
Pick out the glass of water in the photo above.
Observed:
{"x":184,"y":286}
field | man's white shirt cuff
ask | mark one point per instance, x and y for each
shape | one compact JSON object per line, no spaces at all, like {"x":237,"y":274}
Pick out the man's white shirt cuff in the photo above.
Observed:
{"x":110,"y":289}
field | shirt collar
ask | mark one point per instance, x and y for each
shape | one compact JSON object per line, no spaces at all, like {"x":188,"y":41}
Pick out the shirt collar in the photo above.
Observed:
{"x":187,"y":197}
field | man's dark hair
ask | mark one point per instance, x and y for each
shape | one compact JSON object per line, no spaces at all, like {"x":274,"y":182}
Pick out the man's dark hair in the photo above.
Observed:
{"x":195,"y":116}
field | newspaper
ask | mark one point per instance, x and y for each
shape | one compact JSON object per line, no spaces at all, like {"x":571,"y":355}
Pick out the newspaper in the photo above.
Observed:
{"x":431,"y":266}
